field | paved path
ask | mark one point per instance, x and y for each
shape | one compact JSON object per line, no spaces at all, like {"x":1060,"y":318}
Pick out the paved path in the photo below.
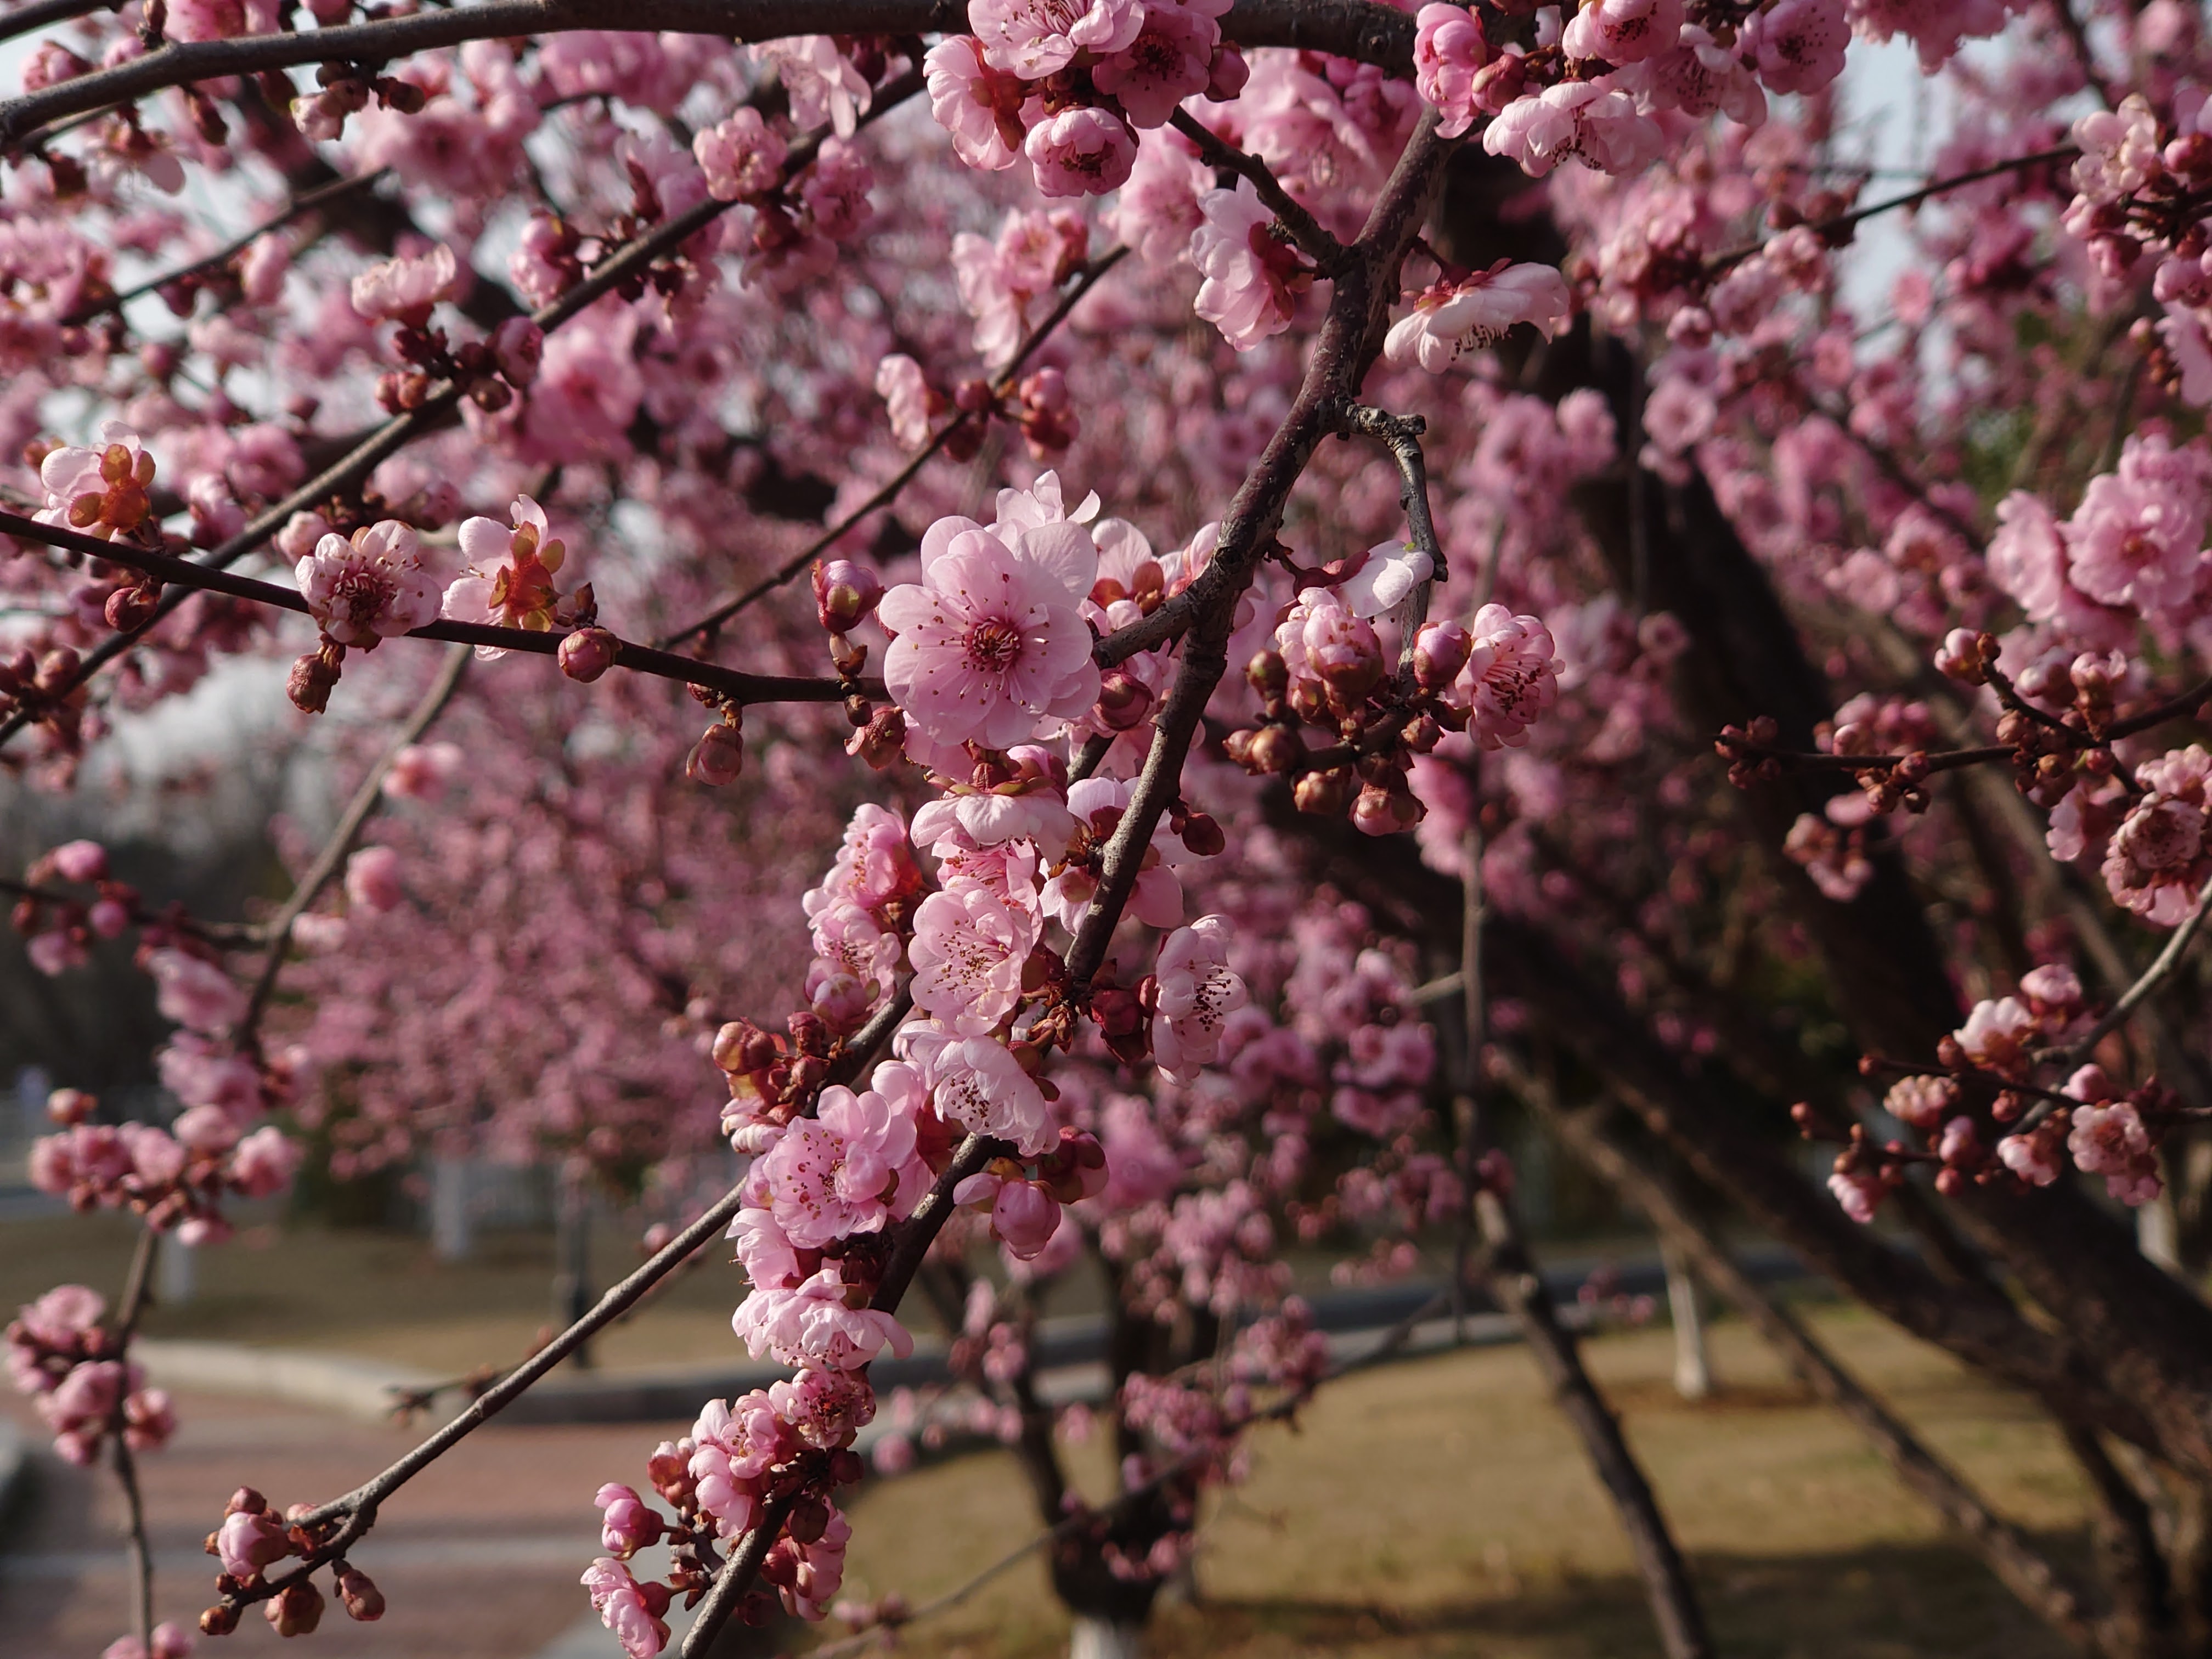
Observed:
{"x":477,"y":1557}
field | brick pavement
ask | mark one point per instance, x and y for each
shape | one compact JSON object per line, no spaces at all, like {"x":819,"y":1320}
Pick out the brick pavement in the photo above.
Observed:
{"x":478,"y":1557}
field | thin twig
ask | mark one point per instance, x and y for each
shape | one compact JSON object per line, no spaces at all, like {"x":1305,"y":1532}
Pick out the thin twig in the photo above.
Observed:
{"x":790,"y":569}
{"x":1304,"y":229}
{"x":2150,"y":979}
{"x":346,"y":832}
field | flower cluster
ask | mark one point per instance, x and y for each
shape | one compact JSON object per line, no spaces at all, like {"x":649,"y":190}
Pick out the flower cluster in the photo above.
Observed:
{"x":74,"y":1369}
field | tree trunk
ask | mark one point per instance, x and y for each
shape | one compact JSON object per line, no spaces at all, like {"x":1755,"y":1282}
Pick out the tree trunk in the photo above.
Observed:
{"x":1693,"y":1368}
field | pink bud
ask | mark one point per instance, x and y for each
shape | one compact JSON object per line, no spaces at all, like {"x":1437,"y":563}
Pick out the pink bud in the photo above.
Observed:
{"x":845,"y":594}
{"x":359,"y":1594}
{"x":1440,"y":651}
{"x":297,"y":1611}
{"x":719,"y":758}
{"x":517,"y":345}
{"x":1123,"y":700}
{"x":68,"y":1107}
{"x":372,"y":879}
{"x":1025,"y":1217}
{"x":84,"y":861}
{"x":587,"y":653}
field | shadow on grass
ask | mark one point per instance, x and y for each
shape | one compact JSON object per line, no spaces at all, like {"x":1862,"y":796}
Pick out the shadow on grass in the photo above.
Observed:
{"x":1930,"y":1603}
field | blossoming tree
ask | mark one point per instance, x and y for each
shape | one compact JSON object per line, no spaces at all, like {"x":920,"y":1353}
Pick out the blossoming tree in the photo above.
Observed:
{"x":1308,"y":507}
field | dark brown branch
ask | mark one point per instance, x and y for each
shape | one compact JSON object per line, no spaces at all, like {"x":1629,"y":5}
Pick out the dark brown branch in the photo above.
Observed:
{"x":44,"y":14}
{"x":2006,"y":1550}
{"x":733,"y":684}
{"x":1349,"y":28}
{"x":791,"y":568}
{"x":1308,"y":232}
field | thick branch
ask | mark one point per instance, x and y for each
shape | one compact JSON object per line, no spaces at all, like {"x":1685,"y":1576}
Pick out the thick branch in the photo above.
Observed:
{"x":1371,"y":32}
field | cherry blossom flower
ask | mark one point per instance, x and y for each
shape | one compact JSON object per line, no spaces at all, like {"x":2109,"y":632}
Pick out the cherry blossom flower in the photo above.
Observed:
{"x":508,"y":581}
{"x":1157,"y":211}
{"x":991,"y":645}
{"x":370,"y":588}
{"x":1511,"y":678}
{"x":1452,"y":318}
{"x":2119,"y":150}
{"x":631,"y":1610}
{"x":968,"y":952}
{"x":404,"y":290}
{"x":1198,"y":991}
{"x":823,"y":83}
{"x":850,"y":1169}
{"x":980,"y":107}
{"x":741,"y":156}
{"x":1034,"y":39}
{"x":907,"y":396}
{"x":99,"y":492}
{"x":2157,"y":861}
{"x":1171,"y":59}
{"x":194,"y":992}
{"x":1590,"y":121}
{"x":1083,"y":151}
{"x":1997,"y":1035}
{"x":1386,"y":579}
{"x":813,"y":1324}
{"x":1799,"y":44}
{"x":2138,"y":537}
{"x":630,"y":1524}
{"x":262,"y":1165}
{"x":977,"y":1083}
{"x":1622,"y":31}
{"x":2111,"y":1141}
{"x":1449,"y":47}
{"x":1253,"y":273}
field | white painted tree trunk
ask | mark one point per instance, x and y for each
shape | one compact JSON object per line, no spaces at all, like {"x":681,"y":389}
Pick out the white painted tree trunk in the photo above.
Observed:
{"x":1694,"y":1370}
{"x":2158,"y":1232}
{"x":451,"y":1235}
{"x":1104,"y":1638}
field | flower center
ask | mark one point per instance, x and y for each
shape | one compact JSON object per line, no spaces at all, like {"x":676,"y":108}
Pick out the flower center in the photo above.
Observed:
{"x":994,"y":646}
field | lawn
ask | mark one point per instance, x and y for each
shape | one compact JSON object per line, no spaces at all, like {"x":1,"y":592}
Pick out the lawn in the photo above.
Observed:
{"x":1440,"y":1507}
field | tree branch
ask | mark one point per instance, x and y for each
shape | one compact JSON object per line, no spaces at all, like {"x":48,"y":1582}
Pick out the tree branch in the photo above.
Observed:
{"x":1304,"y":229}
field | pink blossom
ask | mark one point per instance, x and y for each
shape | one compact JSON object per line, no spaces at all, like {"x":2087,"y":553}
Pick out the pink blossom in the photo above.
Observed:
{"x":1156,"y":212}
{"x":2119,"y":150}
{"x":2032,"y":1156}
{"x":850,"y":1169}
{"x":992,"y":644}
{"x":628,"y":1608}
{"x":2111,"y":1141}
{"x":1622,"y":31}
{"x":372,"y":879}
{"x":1036,"y":38}
{"x":905,"y":392}
{"x":1024,"y":1218}
{"x":1253,"y":273}
{"x":508,"y":581}
{"x":101,"y":491}
{"x":628,"y":1524}
{"x":2138,"y":537}
{"x":2156,"y":861}
{"x":1171,"y":59}
{"x":814,"y":1325}
{"x":1449,"y":47}
{"x":1997,"y":1035}
{"x":264,"y":1163}
{"x":404,"y":290}
{"x":1799,"y":44}
{"x":1858,"y":1194}
{"x":81,"y":862}
{"x":741,"y":157}
{"x":1590,"y":121}
{"x":1387,"y":578}
{"x":1450,"y":319}
{"x":1097,"y":805}
{"x":978,"y":1084}
{"x":194,"y":992}
{"x":1083,"y":151}
{"x":63,"y":1315}
{"x":1924,"y":1101}
{"x":822,"y":81}
{"x":980,"y":107}
{"x":822,"y":1409}
{"x":1198,"y":991}
{"x":969,"y":951}
{"x":371,"y":588}
{"x":250,"y":1540}
{"x":421,"y":771}
{"x":1511,"y":678}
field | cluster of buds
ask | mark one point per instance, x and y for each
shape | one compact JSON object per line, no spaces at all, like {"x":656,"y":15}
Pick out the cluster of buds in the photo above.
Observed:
{"x":177,"y":1179}
{"x":719,"y":757}
{"x":1746,"y":749}
{"x":773,"y":1080}
{"x":253,"y":1539}
{"x":75,"y":1369}
{"x":45,"y":684}
{"x":1380,"y":721}
{"x":488,"y":372}
{"x":846,"y":595}
{"x":347,"y":90}
{"x":59,"y":927}
{"x":1024,"y":1200}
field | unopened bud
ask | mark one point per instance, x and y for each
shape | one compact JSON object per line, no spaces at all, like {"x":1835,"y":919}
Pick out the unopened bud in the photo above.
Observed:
{"x":219,"y":1620}
{"x":130,"y":609}
{"x":1269,"y":674}
{"x":1380,"y":811}
{"x":587,"y":653}
{"x":1325,"y":793}
{"x":719,"y":757}
{"x":1440,"y":651}
{"x":882,"y":740}
{"x":68,"y":1107}
{"x":845,"y":594}
{"x":1203,"y":836}
{"x":295,"y":1610}
{"x":360,"y":1596}
{"x":310,"y":682}
{"x":246,"y":1501}
{"x":1123,"y":700}
{"x":810,"y":1519}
